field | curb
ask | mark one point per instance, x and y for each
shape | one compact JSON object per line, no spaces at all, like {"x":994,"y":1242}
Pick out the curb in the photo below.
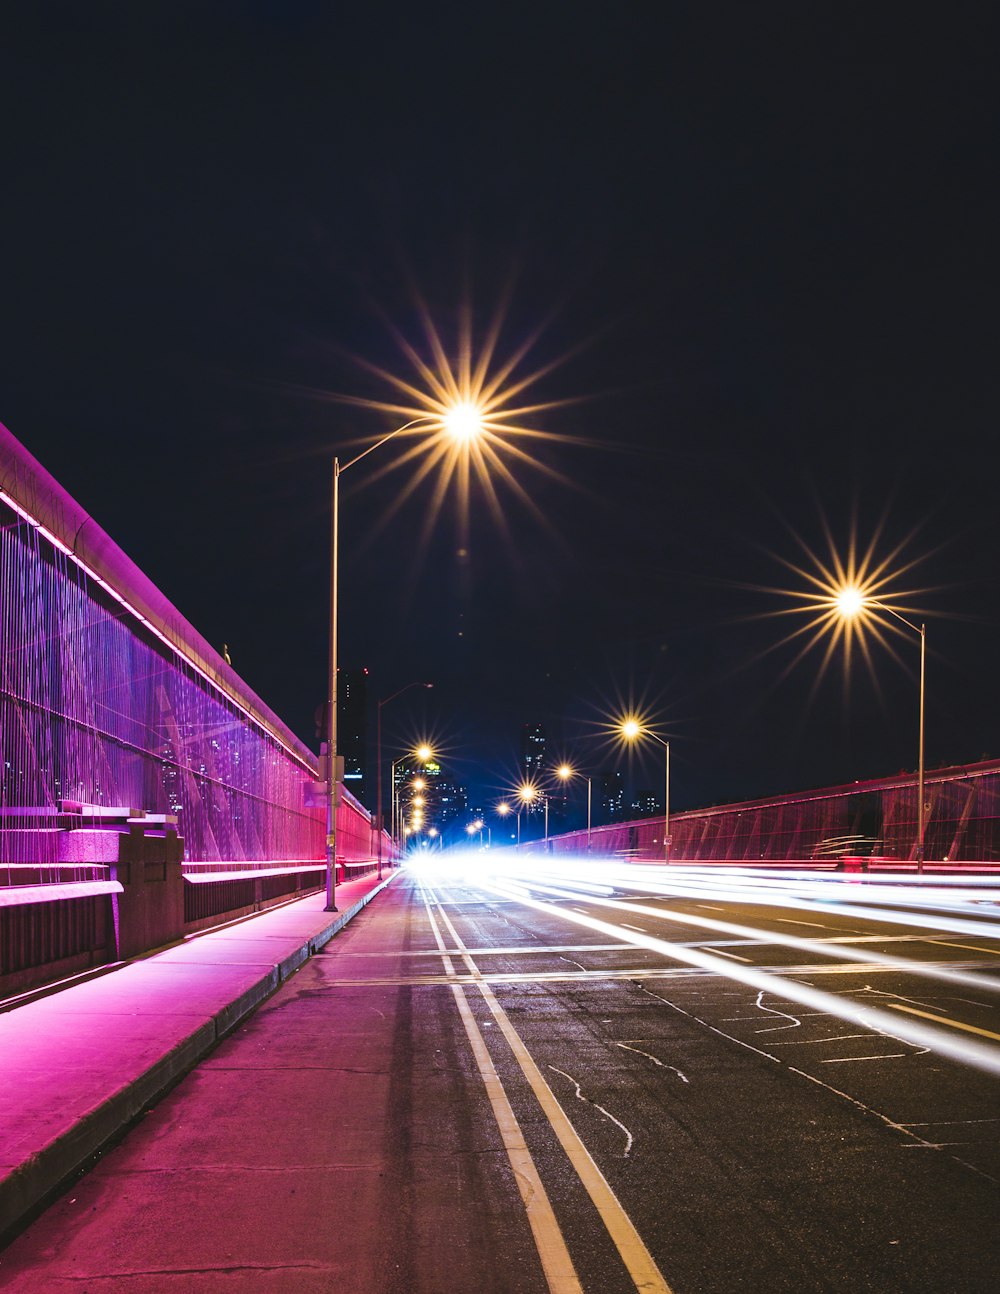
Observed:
{"x":31,"y":1185}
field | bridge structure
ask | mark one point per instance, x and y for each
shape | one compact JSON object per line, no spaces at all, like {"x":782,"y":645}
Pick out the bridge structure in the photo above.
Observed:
{"x":145,"y":790}
{"x":873,"y":823}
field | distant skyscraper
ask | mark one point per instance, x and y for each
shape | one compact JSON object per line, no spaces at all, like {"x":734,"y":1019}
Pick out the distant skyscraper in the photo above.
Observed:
{"x":647,"y":804}
{"x":532,"y":751}
{"x":533,"y":762}
{"x":352,"y":727}
{"x":612,"y":797}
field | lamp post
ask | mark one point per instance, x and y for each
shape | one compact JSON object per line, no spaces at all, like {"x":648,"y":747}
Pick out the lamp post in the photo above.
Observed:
{"x":424,"y":754}
{"x":565,"y":772}
{"x":852,"y":603}
{"x":527,"y":793}
{"x":378,"y":761}
{"x":631,"y":730}
{"x":503,"y":809}
{"x":462,"y":420}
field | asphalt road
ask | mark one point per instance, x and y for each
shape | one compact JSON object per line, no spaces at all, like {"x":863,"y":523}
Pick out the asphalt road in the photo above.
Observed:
{"x":579,"y":1079}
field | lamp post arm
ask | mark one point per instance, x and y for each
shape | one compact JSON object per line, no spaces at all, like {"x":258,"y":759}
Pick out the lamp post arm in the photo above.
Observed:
{"x":917,"y":629}
{"x":379,"y":443}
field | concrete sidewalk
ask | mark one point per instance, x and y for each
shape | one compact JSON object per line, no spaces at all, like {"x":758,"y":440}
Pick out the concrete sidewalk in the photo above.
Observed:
{"x":78,"y":1066}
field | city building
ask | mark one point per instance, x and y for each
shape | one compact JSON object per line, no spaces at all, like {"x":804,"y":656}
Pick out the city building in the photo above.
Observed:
{"x":611,"y":797}
{"x":533,"y":763}
{"x":352,"y":728}
{"x":648,"y":804}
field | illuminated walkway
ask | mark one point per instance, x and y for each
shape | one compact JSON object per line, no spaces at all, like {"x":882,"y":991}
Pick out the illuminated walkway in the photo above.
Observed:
{"x":77,"y":1066}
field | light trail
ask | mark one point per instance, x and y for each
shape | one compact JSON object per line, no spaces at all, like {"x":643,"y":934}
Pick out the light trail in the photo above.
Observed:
{"x":977,"y":1055}
{"x":593,"y":883}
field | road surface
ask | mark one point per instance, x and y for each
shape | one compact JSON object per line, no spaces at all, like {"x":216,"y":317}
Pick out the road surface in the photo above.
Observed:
{"x":579,"y":1077}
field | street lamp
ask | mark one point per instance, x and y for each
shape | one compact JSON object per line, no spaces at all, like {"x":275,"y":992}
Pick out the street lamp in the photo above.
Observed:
{"x":565,"y":772}
{"x":378,"y":761}
{"x":630,"y":729}
{"x":851,"y":603}
{"x":462,"y":421}
{"x":503,"y":809}
{"x":424,"y":754}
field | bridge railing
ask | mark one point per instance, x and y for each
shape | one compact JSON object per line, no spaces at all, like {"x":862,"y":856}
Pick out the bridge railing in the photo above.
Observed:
{"x":875,"y":821}
{"x":132,"y":756}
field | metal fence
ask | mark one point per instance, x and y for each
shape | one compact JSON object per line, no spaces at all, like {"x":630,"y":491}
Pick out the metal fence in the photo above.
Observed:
{"x":875,"y":819}
{"x":118,"y":720}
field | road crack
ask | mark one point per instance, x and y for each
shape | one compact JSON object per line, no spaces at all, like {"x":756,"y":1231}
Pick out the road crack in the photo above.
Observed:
{"x":607,"y":1113}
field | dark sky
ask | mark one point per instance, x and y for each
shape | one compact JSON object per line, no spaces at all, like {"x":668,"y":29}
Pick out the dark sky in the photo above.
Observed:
{"x":761,"y":238}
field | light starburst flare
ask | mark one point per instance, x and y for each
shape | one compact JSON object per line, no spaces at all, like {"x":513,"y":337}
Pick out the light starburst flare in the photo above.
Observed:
{"x":848,"y":601}
{"x":469,"y":420}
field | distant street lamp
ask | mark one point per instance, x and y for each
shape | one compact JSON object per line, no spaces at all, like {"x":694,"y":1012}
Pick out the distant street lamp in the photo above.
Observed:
{"x":630,"y":729}
{"x":422,"y":753}
{"x":527,"y":794}
{"x":462,"y":420}
{"x":503,"y":809}
{"x":852,"y":604}
{"x":565,"y":772}
{"x":378,"y":762}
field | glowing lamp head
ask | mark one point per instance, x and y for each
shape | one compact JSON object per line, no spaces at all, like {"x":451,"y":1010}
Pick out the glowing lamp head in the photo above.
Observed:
{"x":527,"y":793}
{"x":424,"y":753}
{"x":503,"y":808}
{"x":850,"y":602}
{"x":463,"y":422}
{"x":564,"y":771}
{"x":630,"y":729}
{"x":418,"y":783}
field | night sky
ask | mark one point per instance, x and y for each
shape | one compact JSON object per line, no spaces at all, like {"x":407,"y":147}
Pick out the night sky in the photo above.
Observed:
{"x":757,"y":244}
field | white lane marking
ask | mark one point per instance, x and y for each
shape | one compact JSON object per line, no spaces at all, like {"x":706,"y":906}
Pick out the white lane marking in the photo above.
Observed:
{"x":790,"y":921}
{"x":710,"y":907}
{"x":813,"y":1042}
{"x":655,"y":1059}
{"x":638,"y":928}
{"x":572,"y":962}
{"x":557,"y":1266}
{"x":607,"y":1113}
{"x":850,"y":1060}
{"x":719,"y":952}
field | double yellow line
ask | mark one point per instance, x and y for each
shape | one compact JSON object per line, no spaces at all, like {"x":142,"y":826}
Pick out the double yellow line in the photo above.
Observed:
{"x":556,"y":1261}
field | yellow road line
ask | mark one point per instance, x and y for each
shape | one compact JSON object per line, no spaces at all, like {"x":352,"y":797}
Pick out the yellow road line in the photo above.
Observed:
{"x":943,"y":1019}
{"x":560,"y":1274}
{"x":943,"y":943}
{"x":638,"y":1260}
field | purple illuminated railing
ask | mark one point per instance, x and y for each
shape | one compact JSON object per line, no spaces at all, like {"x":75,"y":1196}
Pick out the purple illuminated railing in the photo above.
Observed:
{"x":870,"y":820}
{"x":145,"y":790}
{"x":110,"y":701}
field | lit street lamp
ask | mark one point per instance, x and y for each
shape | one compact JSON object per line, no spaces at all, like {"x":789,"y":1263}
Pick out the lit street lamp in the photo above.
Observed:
{"x":378,"y":762}
{"x":462,"y":421}
{"x":630,"y":729}
{"x":851,"y":603}
{"x":527,"y":794}
{"x":502,"y":810}
{"x":424,"y":755}
{"x":565,"y":772}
